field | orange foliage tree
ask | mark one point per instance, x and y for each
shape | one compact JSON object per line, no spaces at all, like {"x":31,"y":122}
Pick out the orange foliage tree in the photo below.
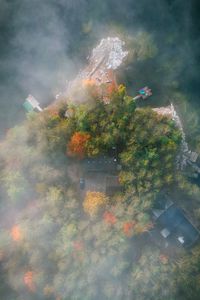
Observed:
{"x":88,"y":82}
{"x":78,"y":246}
{"x":128,"y":228}
{"x":53,"y":111}
{"x":94,"y":202}
{"x":109,"y":218}
{"x":28,"y":281}
{"x":78,"y":144}
{"x":16,"y":233}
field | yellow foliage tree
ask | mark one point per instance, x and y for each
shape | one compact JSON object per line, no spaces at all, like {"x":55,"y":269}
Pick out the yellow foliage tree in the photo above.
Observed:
{"x":94,"y":202}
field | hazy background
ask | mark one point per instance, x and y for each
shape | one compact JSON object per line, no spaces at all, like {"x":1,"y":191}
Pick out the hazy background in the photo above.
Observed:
{"x":43,"y":43}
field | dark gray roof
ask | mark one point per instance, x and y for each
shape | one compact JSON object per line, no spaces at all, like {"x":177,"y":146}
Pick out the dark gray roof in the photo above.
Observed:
{"x":174,"y":220}
{"x":100,"y":164}
{"x":112,"y":185}
{"x":163,"y":202}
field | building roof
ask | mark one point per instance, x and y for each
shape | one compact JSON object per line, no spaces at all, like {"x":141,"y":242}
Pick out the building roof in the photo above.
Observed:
{"x":180,"y":228}
{"x":112,"y":185}
{"x":28,"y":107}
{"x":163,"y":202}
{"x":100,"y":164}
{"x":32,"y":101}
{"x":31,"y":104}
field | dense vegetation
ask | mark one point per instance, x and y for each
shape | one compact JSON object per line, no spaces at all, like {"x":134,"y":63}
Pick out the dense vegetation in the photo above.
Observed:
{"x":55,"y":243}
{"x":51,"y":245}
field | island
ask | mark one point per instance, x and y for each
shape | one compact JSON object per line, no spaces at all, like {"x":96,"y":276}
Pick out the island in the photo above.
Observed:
{"x":89,"y":189}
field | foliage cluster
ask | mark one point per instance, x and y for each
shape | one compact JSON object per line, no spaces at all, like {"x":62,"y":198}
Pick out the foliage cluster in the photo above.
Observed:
{"x":52,"y":249}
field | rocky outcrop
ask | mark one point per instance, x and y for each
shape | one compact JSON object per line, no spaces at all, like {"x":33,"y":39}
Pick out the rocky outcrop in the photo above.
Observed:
{"x":185,"y":155}
{"x":104,"y":60}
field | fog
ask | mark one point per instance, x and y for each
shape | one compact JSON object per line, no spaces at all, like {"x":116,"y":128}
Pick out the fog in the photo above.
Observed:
{"x":45,"y":43}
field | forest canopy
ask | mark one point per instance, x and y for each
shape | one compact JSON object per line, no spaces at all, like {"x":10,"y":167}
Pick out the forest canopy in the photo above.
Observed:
{"x":62,"y":242}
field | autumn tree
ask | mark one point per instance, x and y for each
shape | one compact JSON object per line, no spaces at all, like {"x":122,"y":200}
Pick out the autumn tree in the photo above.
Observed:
{"x":109,"y":218}
{"x":94,"y":202}
{"x":28,"y":280}
{"x":16,"y":233}
{"x":78,"y":144}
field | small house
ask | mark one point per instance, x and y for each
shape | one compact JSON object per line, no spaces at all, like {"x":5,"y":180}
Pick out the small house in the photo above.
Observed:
{"x":31,"y":104}
{"x":174,"y":226}
{"x":102,"y":164}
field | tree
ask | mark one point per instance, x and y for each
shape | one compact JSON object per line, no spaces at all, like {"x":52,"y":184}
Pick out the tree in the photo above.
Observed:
{"x":142,"y":46}
{"x":16,"y":233}
{"x":152,"y":277}
{"x":94,"y":202}
{"x":78,"y":144}
{"x":109,"y":218}
{"x":28,"y":281}
{"x":16,"y":185}
{"x":187,"y":273}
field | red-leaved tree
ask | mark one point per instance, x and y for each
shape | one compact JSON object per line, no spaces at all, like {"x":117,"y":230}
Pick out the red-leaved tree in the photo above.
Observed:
{"x":77,"y":145}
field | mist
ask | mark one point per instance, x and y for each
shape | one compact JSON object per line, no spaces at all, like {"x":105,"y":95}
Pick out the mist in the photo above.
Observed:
{"x":44,"y":44}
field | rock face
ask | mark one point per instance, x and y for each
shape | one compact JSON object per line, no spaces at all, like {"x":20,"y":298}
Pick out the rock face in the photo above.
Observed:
{"x":104,"y":60}
{"x":165,"y":111}
{"x":111,"y":51}
{"x":185,"y":155}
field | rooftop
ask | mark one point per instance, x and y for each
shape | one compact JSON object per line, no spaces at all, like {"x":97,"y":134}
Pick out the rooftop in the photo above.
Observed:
{"x":175,"y":226}
{"x":100,"y":164}
{"x":28,"y":107}
{"x":32,"y":101}
{"x":31,"y":104}
{"x":112,"y":185}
